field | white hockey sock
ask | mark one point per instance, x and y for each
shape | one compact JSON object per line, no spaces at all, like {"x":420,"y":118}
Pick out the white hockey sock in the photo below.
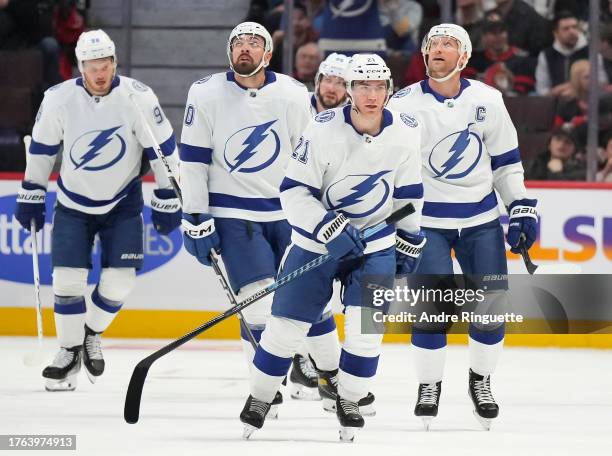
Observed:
{"x":323,"y":344}
{"x":429,"y":363}
{"x":69,"y":314}
{"x":102,"y":313}
{"x":484,"y":357}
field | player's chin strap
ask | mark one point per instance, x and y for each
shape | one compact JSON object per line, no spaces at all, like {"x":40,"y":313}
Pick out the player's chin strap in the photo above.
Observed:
{"x":458,"y":69}
{"x":261,"y":65}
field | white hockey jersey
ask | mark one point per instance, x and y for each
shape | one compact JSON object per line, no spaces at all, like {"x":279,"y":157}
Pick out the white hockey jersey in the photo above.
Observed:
{"x":469,"y":148}
{"x":236,"y":143}
{"x":103,"y":140}
{"x":362,"y":176}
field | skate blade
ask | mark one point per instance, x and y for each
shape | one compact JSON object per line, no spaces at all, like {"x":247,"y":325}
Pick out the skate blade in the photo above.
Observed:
{"x":367,"y":410}
{"x":248,"y":431}
{"x":67,"y":384}
{"x":484,"y":422}
{"x":329,"y":405}
{"x":426,"y":422}
{"x":272,"y":414}
{"x":347,"y":434}
{"x":303,"y":393}
{"x":92,"y":378}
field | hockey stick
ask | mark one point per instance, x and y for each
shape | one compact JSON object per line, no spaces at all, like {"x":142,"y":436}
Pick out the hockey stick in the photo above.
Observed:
{"x":134,"y":393}
{"x":550,"y":269}
{"x":34,"y":359}
{"x":173,"y":181}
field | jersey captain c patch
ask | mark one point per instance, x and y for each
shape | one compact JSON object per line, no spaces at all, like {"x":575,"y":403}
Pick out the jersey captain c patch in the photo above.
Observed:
{"x":98,"y":149}
{"x":359,"y":195}
{"x":456,"y":155}
{"x":252,"y":149}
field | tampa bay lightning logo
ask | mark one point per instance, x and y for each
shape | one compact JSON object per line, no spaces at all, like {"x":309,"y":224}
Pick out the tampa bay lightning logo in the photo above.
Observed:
{"x":325,"y":116}
{"x":98,"y":149}
{"x":458,"y":152}
{"x":349,"y":8}
{"x":409,"y":120}
{"x":358,"y":195}
{"x":252,"y":149}
{"x":402,"y":93}
{"x":204,"y":79}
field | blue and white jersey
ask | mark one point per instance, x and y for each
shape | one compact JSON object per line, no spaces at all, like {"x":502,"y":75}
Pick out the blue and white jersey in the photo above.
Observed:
{"x":469,"y":149}
{"x":362,"y":176}
{"x":236,"y":143}
{"x":103,"y":140}
{"x":313,"y":104}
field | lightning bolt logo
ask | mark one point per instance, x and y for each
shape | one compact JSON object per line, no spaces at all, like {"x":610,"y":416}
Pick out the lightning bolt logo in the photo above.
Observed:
{"x":359,"y":193}
{"x":251,"y":143}
{"x":457,"y":149}
{"x":95,"y":147}
{"x":457,"y":154}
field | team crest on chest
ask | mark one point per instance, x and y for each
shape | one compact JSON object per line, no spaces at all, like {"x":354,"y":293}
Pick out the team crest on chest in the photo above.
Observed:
{"x":252,"y":149}
{"x":358,"y":195}
{"x":456,"y":155}
{"x":98,"y":149}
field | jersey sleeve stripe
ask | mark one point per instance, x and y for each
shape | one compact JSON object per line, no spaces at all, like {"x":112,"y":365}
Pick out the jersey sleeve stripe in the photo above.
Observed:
{"x":386,"y":231}
{"x":84,"y":201}
{"x":197,"y":154}
{"x":288,"y":184}
{"x":414,"y":191}
{"x":459,"y":210}
{"x":507,"y":158}
{"x":249,"y":204}
{"x":167,"y":148}
{"x":37,"y":148}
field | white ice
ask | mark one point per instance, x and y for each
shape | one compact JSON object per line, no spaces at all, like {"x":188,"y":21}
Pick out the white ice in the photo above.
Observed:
{"x":553,"y":402}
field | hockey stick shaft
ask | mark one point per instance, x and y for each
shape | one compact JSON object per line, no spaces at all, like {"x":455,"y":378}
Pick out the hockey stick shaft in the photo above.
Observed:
{"x":177,"y":190}
{"x":134,"y":393}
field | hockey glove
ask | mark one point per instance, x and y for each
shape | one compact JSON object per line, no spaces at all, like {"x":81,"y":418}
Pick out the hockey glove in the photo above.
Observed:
{"x":341,"y":239}
{"x":166,"y":210}
{"x":200,"y":236}
{"x":408,"y":250}
{"x":523,"y":222}
{"x":31,"y":205}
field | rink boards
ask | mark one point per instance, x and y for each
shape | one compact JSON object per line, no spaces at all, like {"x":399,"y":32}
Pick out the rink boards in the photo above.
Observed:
{"x":174,"y":293}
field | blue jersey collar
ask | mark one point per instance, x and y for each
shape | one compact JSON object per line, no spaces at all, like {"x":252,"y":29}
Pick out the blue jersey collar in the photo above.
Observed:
{"x":270,"y":78}
{"x":426,"y":88}
{"x":115,"y":83}
{"x":313,"y":102}
{"x":387,"y":119}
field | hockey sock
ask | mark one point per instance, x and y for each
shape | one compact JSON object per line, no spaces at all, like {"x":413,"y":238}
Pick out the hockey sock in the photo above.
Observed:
{"x":322,"y":343}
{"x":69,"y":320}
{"x":429,"y":356}
{"x":101,"y":314}
{"x":485,"y":349}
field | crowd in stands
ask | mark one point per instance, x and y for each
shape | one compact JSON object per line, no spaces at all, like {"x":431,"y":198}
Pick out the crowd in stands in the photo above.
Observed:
{"x":532,"y":50}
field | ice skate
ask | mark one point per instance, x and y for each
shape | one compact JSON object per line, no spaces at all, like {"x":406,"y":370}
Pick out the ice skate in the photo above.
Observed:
{"x":485,"y":407}
{"x":278,"y":399}
{"x":349,"y":417}
{"x":427,"y":403}
{"x":328,"y":390}
{"x":62,"y":373}
{"x":304,"y":380}
{"x":92,"y":354}
{"x":253,"y":415}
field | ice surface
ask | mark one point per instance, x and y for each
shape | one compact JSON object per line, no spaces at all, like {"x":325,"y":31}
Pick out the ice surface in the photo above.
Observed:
{"x":553,"y":402}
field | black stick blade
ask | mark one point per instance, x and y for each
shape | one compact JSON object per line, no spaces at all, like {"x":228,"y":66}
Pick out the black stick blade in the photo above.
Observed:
{"x":131,"y":410}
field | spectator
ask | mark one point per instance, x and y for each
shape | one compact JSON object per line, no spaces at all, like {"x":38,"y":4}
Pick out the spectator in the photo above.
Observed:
{"x":350,"y":27}
{"x":401,"y":20}
{"x":554,"y":62}
{"x":307,"y":60}
{"x":605,"y":167}
{"x":28,"y":24}
{"x":469,"y":15}
{"x":559,"y":162}
{"x":303,"y":33}
{"x":68,"y":24}
{"x":573,"y":112}
{"x":606,"y":11}
{"x":605,"y":49}
{"x":507,"y":68}
{"x":526,"y":28}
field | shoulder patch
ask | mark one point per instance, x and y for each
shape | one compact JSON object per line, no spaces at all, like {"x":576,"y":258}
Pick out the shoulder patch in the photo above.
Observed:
{"x":139,"y":86}
{"x":55,"y":87}
{"x":325,"y":116}
{"x":402,"y":93}
{"x":409,"y":120}
{"x":296,"y":82}
{"x":204,"y":79}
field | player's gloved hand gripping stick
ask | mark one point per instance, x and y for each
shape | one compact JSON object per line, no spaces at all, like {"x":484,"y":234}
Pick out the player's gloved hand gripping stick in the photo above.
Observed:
{"x":177,"y":190}
{"x":134,"y":393}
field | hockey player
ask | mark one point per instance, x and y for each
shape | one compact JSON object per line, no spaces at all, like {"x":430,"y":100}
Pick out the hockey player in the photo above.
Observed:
{"x":239,"y":130}
{"x":350,"y":169}
{"x":469,"y":151}
{"x":330,"y":87}
{"x":99,"y":193}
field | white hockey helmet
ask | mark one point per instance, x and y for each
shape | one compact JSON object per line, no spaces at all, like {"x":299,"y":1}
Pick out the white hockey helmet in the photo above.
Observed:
{"x":250,"y":28}
{"x":334,"y":65}
{"x":94,"y":44}
{"x":454,"y":31}
{"x":367,"y":67}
